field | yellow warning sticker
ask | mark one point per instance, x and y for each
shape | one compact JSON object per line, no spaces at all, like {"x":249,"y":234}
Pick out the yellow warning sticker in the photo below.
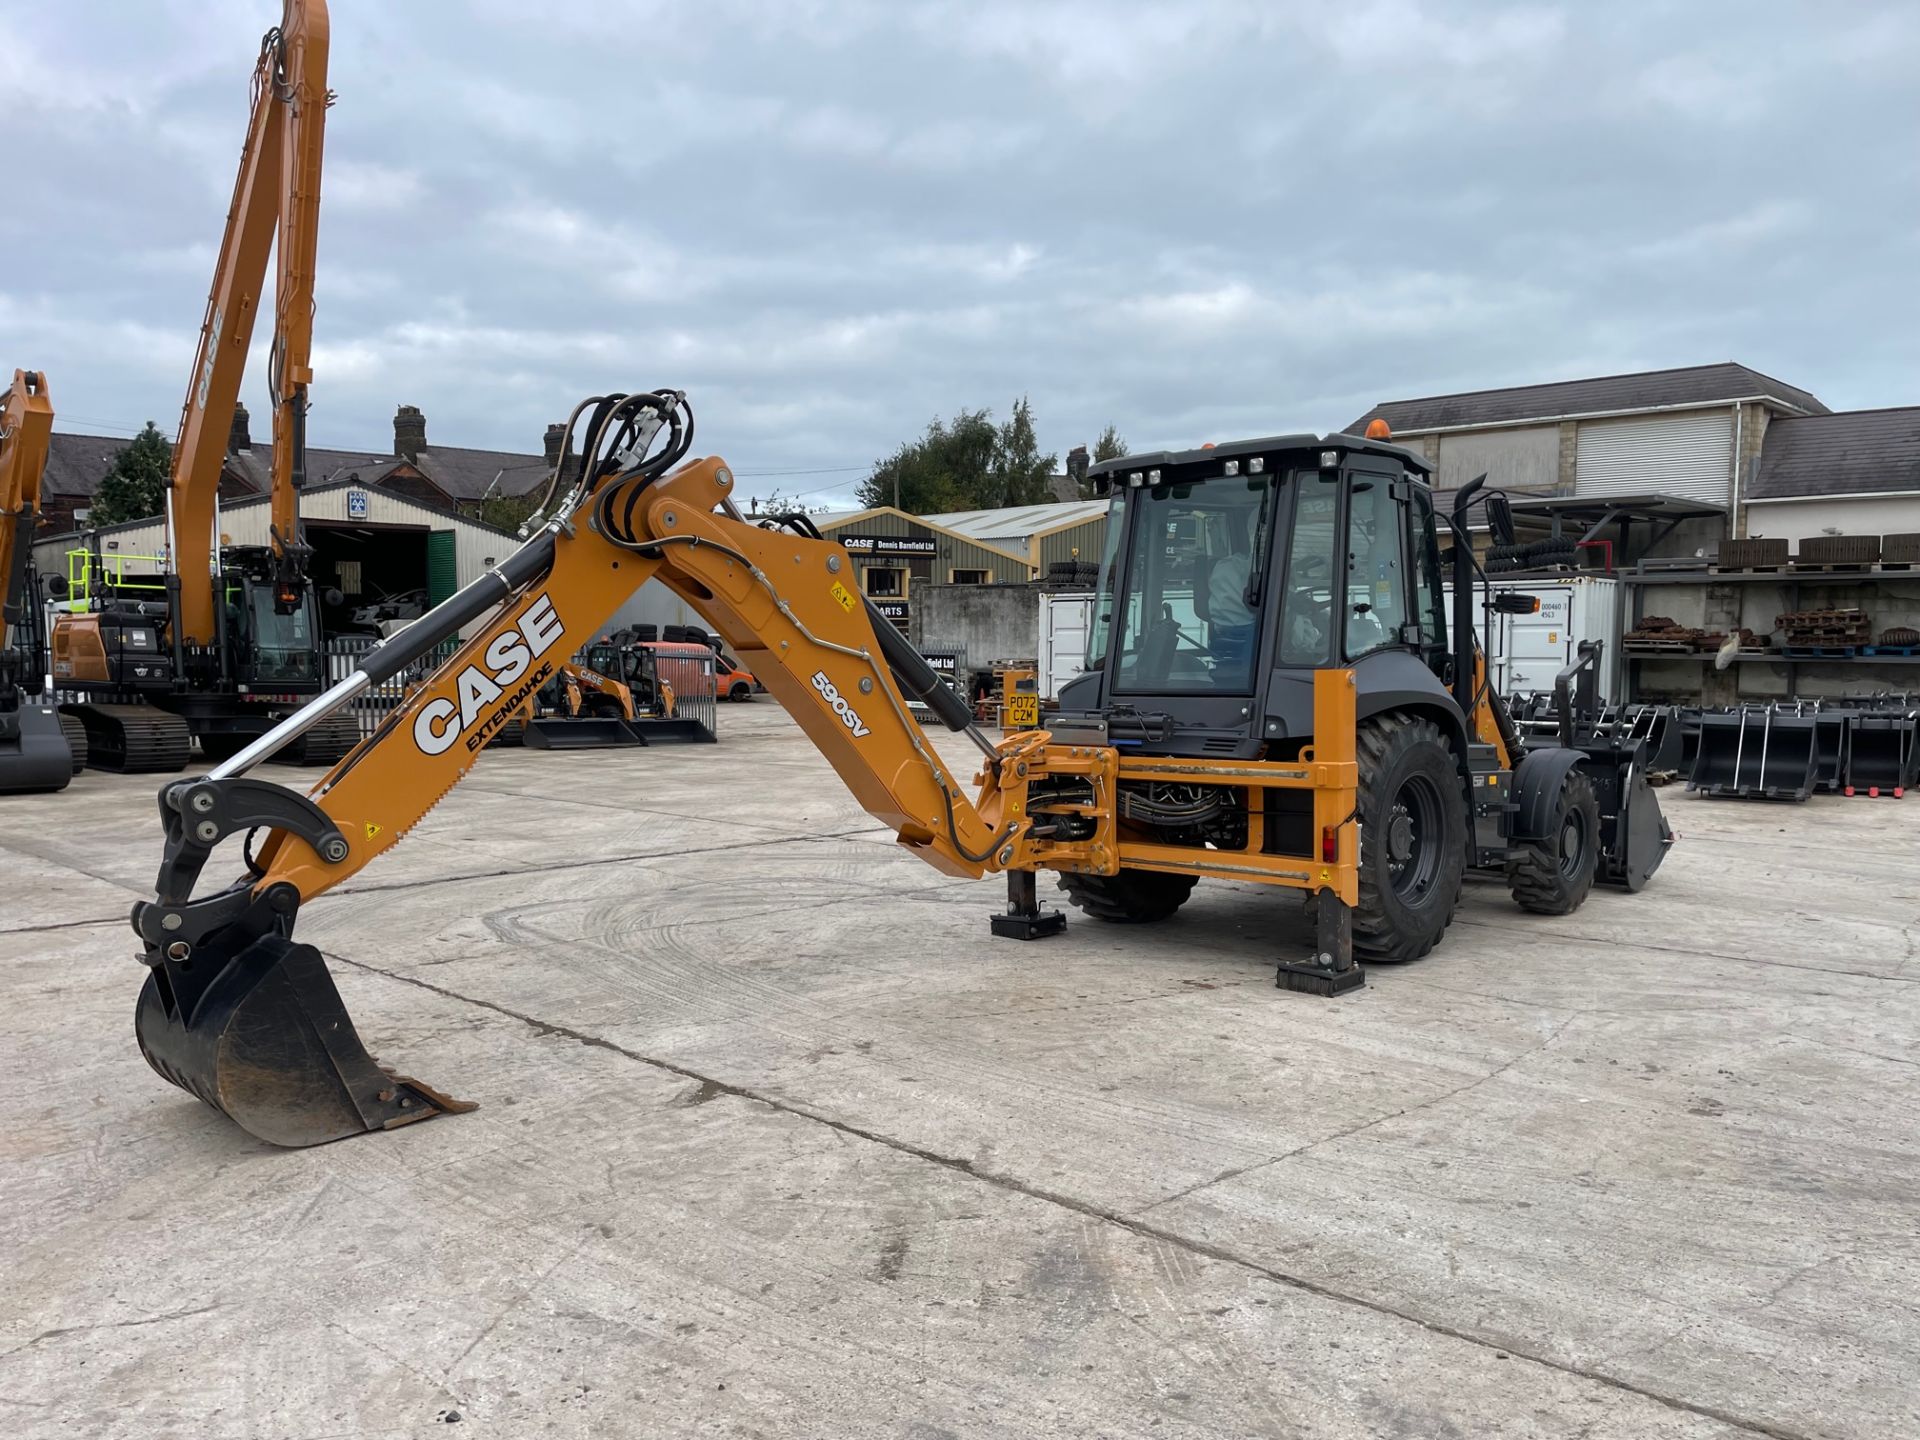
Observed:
{"x":372,"y":830}
{"x":843,"y":595}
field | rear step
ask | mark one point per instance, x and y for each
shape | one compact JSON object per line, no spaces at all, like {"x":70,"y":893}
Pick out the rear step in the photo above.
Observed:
{"x":133,"y":739}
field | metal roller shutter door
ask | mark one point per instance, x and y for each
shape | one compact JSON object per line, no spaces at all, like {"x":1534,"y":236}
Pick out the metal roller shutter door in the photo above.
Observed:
{"x":1686,"y":456}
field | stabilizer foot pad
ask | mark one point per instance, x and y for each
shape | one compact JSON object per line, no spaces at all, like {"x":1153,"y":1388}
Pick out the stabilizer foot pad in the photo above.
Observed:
{"x":1036,"y":926}
{"x":1318,"y":980}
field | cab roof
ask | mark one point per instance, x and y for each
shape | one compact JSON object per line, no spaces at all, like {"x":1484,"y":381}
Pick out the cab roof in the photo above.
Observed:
{"x":1271,"y":446}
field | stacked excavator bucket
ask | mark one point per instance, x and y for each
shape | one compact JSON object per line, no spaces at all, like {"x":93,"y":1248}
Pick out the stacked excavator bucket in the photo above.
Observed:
{"x":1883,"y":755}
{"x":1757,"y":754}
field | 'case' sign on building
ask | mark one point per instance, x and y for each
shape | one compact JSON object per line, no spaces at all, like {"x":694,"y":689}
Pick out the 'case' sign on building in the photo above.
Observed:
{"x":887,"y":544}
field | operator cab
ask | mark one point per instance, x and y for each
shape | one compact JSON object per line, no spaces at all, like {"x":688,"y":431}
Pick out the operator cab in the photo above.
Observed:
{"x":1223,"y":589}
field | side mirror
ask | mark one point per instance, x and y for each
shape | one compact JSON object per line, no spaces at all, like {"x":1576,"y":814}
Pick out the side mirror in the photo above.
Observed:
{"x":1500,"y":519}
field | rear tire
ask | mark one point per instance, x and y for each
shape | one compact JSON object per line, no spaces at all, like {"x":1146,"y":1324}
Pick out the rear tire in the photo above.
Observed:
{"x":1133,"y":897}
{"x":1413,"y":838}
{"x":1554,"y":876}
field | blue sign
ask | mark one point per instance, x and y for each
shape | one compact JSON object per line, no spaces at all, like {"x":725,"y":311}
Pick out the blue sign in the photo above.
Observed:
{"x":356,"y":504}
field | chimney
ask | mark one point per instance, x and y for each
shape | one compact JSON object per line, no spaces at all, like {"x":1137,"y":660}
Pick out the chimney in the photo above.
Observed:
{"x":237,"y":438}
{"x":555,"y":434}
{"x":409,"y":433}
{"x":1077,"y":463}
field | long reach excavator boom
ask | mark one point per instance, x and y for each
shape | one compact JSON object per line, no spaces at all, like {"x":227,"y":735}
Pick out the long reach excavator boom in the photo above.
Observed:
{"x":36,"y":753}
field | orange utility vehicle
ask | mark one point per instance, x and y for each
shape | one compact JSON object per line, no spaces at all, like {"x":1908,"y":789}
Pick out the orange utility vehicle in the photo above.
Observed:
{"x":227,"y":642}
{"x":1314,"y":723}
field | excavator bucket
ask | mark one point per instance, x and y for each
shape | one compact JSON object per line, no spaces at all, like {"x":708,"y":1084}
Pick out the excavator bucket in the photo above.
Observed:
{"x":1883,"y":755}
{"x":579,"y":732}
{"x":1757,"y":755}
{"x":265,"y":1040}
{"x":34,"y":753}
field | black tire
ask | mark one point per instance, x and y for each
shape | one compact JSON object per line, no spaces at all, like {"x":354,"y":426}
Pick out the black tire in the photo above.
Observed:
{"x":602,"y":707}
{"x":739,"y":692}
{"x":1554,"y":877}
{"x":1413,"y":838}
{"x":1133,"y":897}
{"x":1063,"y":572}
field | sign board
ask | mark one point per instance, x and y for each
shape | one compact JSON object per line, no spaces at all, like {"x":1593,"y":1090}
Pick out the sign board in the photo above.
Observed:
{"x":895,"y":610}
{"x":1023,"y":712}
{"x":886,"y":544}
{"x":357,"y":505}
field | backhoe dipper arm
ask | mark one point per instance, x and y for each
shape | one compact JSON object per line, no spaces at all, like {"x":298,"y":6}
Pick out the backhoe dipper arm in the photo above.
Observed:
{"x":277,"y":186}
{"x":237,"y":1013}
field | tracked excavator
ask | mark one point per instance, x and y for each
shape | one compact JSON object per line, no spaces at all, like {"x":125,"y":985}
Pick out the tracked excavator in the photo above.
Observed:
{"x":1275,"y":694}
{"x":231,"y":642}
{"x":39,"y":747}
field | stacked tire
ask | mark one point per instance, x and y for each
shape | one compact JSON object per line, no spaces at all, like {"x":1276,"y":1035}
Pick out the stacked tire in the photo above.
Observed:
{"x":1538,"y":555}
{"x":1078,"y":574}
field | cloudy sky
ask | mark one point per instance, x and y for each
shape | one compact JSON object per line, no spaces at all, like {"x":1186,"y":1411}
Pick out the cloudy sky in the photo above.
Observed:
{"x":829,"y":220}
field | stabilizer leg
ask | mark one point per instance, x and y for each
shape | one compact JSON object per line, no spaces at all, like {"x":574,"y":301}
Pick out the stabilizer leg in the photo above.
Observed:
{"x":1333,"y":970}
{"x":1024,"y":919}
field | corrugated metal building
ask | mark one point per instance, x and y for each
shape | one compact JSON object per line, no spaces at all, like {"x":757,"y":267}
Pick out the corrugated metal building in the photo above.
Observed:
{"x":893,"y":551}
{"x":1046,"y":535}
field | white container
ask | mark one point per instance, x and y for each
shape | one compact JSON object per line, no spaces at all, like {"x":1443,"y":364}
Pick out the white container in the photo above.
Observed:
{"x":1529,"y":650}
{"x":1062,"y":642}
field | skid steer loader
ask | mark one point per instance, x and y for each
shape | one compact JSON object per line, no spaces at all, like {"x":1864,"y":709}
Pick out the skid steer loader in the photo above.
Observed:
{"x":1275,"y":694}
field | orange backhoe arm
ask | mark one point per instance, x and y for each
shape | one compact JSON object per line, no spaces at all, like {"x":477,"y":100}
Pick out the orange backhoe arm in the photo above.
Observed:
{"x":821,"y":660}
{"x":26,"y":427}
{"x":277,"y":189}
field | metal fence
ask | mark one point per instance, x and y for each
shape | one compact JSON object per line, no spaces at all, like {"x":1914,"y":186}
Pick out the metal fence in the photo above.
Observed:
{"x":376,"y":702}
{"x":690,"y":671}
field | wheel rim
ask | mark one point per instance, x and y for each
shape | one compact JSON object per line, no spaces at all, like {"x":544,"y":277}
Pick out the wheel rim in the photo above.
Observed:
{"x":1413,"y":838}
{"x":1573,"y":845}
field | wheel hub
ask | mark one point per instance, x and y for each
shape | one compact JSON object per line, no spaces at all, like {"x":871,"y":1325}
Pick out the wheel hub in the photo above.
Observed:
{"x":1399,"y":836}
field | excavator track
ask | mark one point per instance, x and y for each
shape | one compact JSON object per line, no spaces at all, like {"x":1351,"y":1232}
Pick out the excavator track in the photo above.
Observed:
{"x":327,"y":743}
{"x":76,"y":734}
{"x":133,"y":739}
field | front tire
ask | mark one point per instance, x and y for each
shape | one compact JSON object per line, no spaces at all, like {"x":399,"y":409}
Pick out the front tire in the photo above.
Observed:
{"x":739,"y":693}
{"x":1413,"y":838}
{"x":1133,"y":897}
{"x":1554,"y":876}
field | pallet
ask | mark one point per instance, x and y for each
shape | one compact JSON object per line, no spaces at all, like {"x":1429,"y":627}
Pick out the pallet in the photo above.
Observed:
{"x":1858,"y":567}
{"x":1906,"y":651}
{"x":1666,"y":647}
{"x":1749,"y":570}
{"x":1820,"y":652}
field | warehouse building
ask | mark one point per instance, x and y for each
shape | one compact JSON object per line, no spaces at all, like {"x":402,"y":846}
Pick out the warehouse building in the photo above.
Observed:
{"x":893,"y":552}
{"x":1657,"y":463}
{"x":1047,"y":535}
{"x":371,"y":546}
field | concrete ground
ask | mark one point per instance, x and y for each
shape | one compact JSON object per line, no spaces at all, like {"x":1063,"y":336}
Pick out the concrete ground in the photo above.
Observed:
{"x":774,"y":1141}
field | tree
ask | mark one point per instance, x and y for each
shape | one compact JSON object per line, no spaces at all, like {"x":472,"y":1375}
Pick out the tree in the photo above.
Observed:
{"x":968,"y":463}
{"x":1110,"y":446}
{"x":1021,"y":474}
{"x":136,"y":487}
{"x":778,"y":504}
{"x":509,"y":512}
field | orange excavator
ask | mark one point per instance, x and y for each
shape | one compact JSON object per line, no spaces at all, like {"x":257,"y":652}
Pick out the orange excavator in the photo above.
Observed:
{"x":1321,"y":729}
{"x":235,"y":643}
{"x":39,"y":747}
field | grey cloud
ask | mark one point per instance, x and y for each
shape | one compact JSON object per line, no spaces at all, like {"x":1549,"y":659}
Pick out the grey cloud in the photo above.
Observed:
{"x":829,"y":221}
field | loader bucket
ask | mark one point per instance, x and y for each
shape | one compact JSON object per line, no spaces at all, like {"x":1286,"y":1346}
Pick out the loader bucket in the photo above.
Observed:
{"x":267,"y":1042}
{"x":1882,"y":756}
{"x":1659,"y":726}
{"x":1834,"y":729}
{"x":583,"y":732}
{"x":1634,"y":836}
{"x":1757,"y":755}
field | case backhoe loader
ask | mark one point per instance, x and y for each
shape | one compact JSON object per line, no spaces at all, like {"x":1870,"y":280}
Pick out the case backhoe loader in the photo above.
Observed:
{"x":1275,"y":695}
{"x":234,"y":631}
{"x":36,"y":750}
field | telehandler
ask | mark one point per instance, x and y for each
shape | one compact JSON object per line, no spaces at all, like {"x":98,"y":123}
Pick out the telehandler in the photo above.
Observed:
{"x":1275,"y":694}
